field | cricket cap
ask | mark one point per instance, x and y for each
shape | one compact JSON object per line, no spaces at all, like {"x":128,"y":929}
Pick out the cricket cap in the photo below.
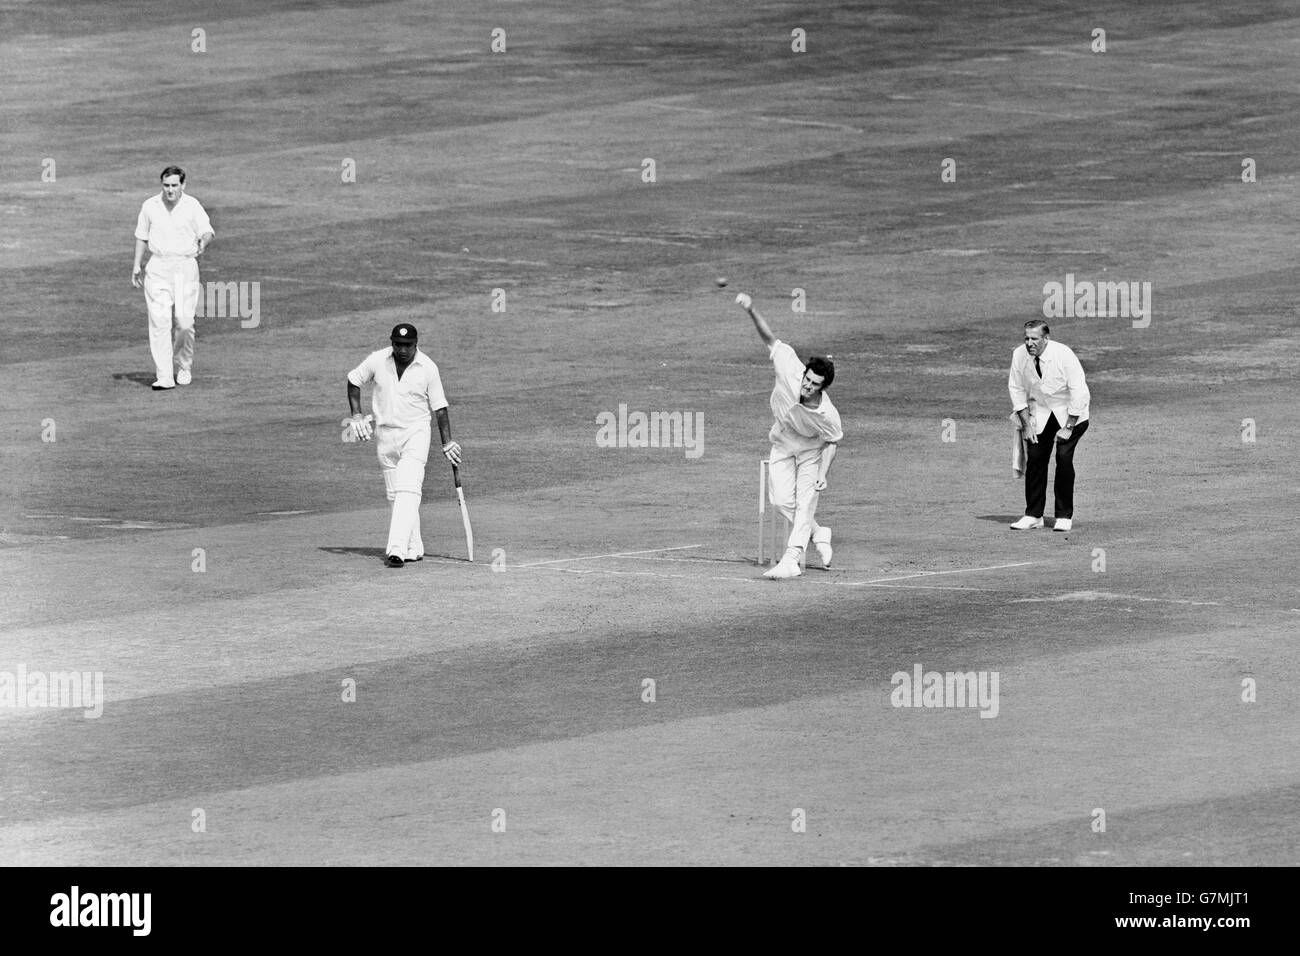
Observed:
{"x":405,"y":333}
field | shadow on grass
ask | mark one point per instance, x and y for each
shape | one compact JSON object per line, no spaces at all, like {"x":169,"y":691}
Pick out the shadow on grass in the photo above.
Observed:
{"x":139,"y":378}
{"x":360,"y":552}
{"x":379,"y":555}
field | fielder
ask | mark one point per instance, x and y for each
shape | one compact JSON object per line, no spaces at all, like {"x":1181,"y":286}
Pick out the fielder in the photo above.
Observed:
{"x":175,"y":229}
{"x":407,"y":393}
{"x":805,"y":435}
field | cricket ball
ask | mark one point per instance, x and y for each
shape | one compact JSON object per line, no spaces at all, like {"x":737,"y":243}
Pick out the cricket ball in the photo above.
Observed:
{"x":722,"y":282}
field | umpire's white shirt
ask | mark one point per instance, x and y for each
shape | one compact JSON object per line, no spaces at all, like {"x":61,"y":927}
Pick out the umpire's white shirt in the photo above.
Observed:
{"x":401,"y":403}
{"x":1061,"y":391}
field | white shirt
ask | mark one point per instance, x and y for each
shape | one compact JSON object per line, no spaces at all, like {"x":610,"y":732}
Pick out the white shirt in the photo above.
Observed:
{"x":172,"y":232}
{"x":797,"y":427}
{"x":401,"y":403}
{"x":1061,"y":391}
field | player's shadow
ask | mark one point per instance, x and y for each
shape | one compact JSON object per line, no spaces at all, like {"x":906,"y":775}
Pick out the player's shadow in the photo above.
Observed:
{"x":377,"y":553}
{"x":140,"y":378}
{"x":1000,"y":519}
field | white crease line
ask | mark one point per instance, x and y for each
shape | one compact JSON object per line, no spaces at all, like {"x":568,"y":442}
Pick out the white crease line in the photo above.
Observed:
{"x":755,"y":578}
{"x":796,"y":122}
{"x":592,"y":557}
{"x":681,"y":109}
{"x":918,"y":587}
{"x":643,"y":574}
{"x":1095,"y":596}
{"x":1012,"y":109}
{"x":923,"y":574}
{"x":69,"y":517}
{"x":714,"y":561}
{"x":921,"y":587}
{"x":885,"y":583}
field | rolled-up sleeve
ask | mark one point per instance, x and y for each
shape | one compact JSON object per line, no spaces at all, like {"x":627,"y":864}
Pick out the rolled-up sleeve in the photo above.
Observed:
{"x":786,"y":359}
{"x":830,"y":427}
{"x":365,"y":372}
{"x":437,"y":398}
{"x":1080,"y":397}
{"x":1019,"y":394}
{"x":202,"y":223}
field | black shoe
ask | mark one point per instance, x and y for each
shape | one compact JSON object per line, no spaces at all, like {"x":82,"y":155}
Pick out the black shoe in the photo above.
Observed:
{"x":394,"y":561}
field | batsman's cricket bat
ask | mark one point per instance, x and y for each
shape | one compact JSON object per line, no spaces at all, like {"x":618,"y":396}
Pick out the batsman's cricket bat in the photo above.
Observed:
{"x":464,"y":512}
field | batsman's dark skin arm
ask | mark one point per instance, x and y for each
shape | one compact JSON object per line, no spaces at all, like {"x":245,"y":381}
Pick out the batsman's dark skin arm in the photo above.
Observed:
{"x":444,"y":426}
{"x":354,"y":398}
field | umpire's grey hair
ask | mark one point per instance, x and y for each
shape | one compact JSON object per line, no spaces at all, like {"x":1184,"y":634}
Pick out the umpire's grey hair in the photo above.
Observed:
{"x":1038,"y":324}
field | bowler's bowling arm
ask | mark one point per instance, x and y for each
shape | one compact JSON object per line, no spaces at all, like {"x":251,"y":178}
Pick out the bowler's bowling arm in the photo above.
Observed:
{"x":764,"y":330}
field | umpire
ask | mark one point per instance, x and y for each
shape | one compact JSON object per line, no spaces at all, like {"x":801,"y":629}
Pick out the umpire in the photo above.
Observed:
{"x":1050,"y":397}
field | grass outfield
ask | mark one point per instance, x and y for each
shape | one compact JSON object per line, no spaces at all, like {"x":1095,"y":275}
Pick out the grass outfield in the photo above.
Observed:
{"x":518,"y":683}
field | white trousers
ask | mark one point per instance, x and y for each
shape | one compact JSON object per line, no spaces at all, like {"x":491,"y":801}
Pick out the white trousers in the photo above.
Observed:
{"x":171,"y":289}
{"x":403,"y":453}
{"x":790,"y":481}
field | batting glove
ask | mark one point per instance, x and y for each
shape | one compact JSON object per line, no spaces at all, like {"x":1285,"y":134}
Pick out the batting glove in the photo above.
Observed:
{"x":744,"y":301}
{"x":452,"y":451}
{"x":360,"y":427}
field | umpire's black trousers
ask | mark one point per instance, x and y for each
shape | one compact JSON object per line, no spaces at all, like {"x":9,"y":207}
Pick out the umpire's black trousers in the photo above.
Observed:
{"x":1036,"y":472}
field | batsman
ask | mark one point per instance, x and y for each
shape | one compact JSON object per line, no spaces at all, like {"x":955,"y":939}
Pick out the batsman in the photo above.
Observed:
{"x":804,"y":436}
{"x":407,"y":395}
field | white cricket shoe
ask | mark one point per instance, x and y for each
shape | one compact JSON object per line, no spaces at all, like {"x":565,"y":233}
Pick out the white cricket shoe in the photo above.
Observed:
{"x":1062,"y":524}
{"x":1027,"y":523}
{"x":822,"y":542}
{"x":787,"y":567}
{"x":159,"y":385}
{"x":183,"y":377}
